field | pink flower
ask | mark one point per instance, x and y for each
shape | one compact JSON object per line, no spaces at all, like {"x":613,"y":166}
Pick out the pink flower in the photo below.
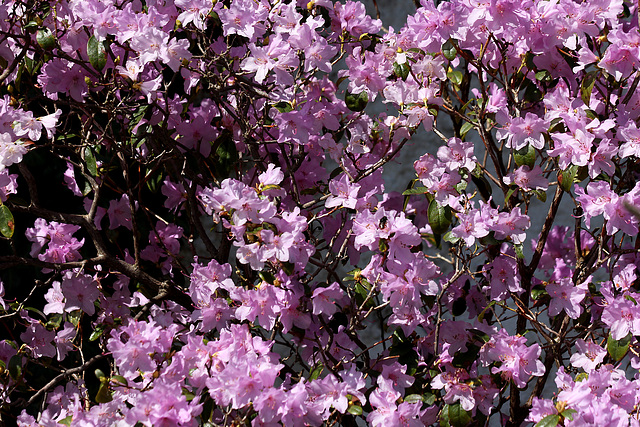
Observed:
{"x":526,"y":131}
{"x":119,"y":213}
{"x":8,"y":184}
{"x":457,"y":154}
{"x":10,"y":151}
{"x":565,"y":296}
{"x":517,"y":361}
{"x":528,"y":179}
{"x":324,"y":299}
{"x":622,"y":316}
{"x":80,"y":291}
{"x":55,"y":300}
{"x":343,"y":193}
{"x":588,"y":355}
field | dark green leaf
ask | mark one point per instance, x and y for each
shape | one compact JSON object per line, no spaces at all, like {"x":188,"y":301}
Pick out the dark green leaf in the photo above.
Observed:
{"x":90,"y":160}
{"x":267,"y":277}
{"x":15,"y":367}
{"x":458,"y":417}
{"x":439,"y":217}
{"x":45,"y":39}
{"x":429,"y":398}
{"x":586,"y":87}
{"x":538,"y":292}
{"x":567,"y":177}
{"x":549,"y":421}
{"x":525,"y":156}
{"x":416,"y":190}
{"x":97,"y":333}
{"x":356,"y":102}
{"x":315,"y":374}
{"x":541,"y":195}
{"x":226,"y":154}
{"x":449,"y":50}
{"x":97,"y":53}
{"x":617,"y":349}
{"x":466,"y":359}
{"x":283,"y":106}
{"x":7,"y":225}
{"x":401,"y":70}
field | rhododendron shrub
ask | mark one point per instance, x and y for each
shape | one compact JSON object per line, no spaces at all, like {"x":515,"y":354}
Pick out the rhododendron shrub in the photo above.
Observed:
{"x":196,"y":228}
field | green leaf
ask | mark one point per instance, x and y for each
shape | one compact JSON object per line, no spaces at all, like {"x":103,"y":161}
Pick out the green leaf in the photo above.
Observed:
{"x":315,"y":374}
{"x":465,"y":128}
{"x":483,"y":186}
{"x":283,"y":106}
{"x":538,"y":292}
{"x":97,"y":333}
{"x":449,"y":50}
{"x":567,"y":177}
{"x":455,"y":77}
{"x":586,"y":87}
{"x":568,"y":413}
{"x":97,"y":53}
{"x":7,"y":225}
{"x":103,"y":395}
{"x":543,"y":75}
{"x":429,"y":398}
{"x":15,"y":367}
{"x":226,"y":154}
{"x":66,"y":421}
{"x":413,"y":398}
{"x":416,"y":190}
{"x":45,"y":39}
{"x":525,"y":156}
{"x":355,"y":410}
{"x":519,"y":252}
{"x":448,"y":237}
{"x":356,"y":102}
{"x":541,"y":195}
{"x":439,"y":217}
{"x":484,"y":311}
{"x":549,"y":421}
{"x":267,"y":277}
{"x":119,"y":380}
{"x":100,"y":375}
{"x":90,"y":160}
{"x":466,"y":359}
{"x":458,"y":417}
{"x":401,"y":70}
{"x":617,"y":349}
{"x":581,"y":377}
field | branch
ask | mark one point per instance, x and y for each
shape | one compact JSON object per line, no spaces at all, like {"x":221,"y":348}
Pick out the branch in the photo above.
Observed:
{"x":64,"y":375}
